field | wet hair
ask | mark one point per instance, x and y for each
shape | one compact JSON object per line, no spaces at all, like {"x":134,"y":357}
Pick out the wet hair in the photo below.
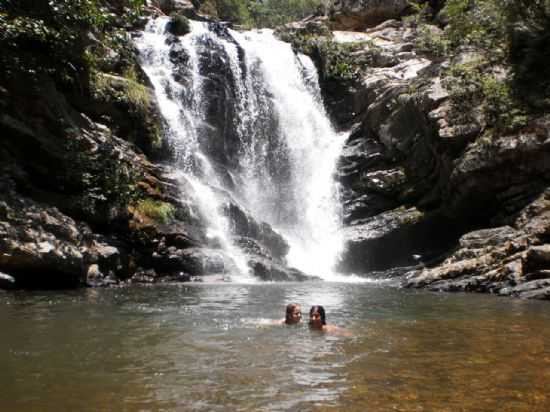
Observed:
{"x":289,"y":309}
{"x":321,"y":310}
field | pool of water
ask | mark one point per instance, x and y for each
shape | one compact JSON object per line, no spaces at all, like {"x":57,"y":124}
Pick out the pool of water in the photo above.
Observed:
{"x":212,"y":347}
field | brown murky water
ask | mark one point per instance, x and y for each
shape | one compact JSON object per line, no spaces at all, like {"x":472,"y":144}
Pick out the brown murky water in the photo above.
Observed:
{"x":211,"y":348}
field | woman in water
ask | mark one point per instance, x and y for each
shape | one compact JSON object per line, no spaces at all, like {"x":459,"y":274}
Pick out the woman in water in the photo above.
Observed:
{"x":318,"y":321}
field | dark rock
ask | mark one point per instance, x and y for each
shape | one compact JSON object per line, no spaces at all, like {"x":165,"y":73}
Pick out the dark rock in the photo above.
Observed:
{"x":244,"y":225}
{"x":191,"y":261}
{"x":268,"y":270}
{"x":178,"y":25}
{"x":483,"y":238}
{"x":40,"y":246}
{"x":540,"y":293}
{"x":358,"y":15}
{"x":394,"y":238}
{"x":510,"y":261}
{"x":6,"y":281}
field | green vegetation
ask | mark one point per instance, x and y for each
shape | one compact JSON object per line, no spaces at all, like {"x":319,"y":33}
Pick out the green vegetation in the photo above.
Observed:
{"x":432,"y":41}
{"x":59,"y":37}
{"x":510,"y":80}
{"x":273,"y":13}
{"x":268,"y":13}
{"x":481,"y":24}
{"x":123,"y":89}
{"x":474,"y":84}
{"x":103,"y":185}
{"x":345,"y":61}
{"x":340,"y":62}
{"x":156,"y":210}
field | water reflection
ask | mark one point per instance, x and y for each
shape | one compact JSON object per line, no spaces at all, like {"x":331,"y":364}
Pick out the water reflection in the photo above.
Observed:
{"x":205,"y":348}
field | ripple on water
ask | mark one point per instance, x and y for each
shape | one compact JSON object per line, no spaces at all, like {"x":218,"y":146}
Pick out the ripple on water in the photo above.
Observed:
{"x":208,"y":348}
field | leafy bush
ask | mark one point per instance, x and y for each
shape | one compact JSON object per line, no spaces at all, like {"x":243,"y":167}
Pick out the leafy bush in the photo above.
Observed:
{"x":480,"y":23}
{"x":509,"y":35}
{"x":432,"y":41}
{"x":267,"y":13}
{"x":529,"y":50}
{"x":344,"y":61}
{"x":234,"y":10}
{"x":471,"y":85}
{"x":273,"y":13}
{"x":156,"y":210}
{"x":52,"y":36}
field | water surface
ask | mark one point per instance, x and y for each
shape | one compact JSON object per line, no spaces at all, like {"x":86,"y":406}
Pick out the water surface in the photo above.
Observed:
{"x":211,"y":347}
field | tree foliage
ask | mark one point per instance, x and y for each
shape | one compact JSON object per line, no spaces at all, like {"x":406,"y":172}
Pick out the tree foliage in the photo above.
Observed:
{"x":266,"y":13}
{"x":511,"y":79}
{"x":58,"y":37}
{"x":273,"y":13}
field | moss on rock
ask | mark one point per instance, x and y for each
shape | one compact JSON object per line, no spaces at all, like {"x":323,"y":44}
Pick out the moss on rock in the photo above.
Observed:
{"x":178,"y":25}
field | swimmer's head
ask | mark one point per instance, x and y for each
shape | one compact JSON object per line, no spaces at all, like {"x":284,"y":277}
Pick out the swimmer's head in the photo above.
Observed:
{"x":293,"y":314}
{"x":317,"y":316}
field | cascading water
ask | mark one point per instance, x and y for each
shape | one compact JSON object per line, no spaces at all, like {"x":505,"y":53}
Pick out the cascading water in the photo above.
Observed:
{"x":272,"y":149}
{"x":183,"y":111}
{"x":302,"y":203}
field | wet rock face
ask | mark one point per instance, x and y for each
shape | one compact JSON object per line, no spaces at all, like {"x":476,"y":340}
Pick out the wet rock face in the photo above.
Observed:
{"x":360,"y":14}
{"x":419,"y":186}
{"x":72,"y":214}
{"x":69,"y":181}
{"x":398,"y":237}
{"x":217,"y":133}
{"x":267,"y":270}
{"x":244,"y":226}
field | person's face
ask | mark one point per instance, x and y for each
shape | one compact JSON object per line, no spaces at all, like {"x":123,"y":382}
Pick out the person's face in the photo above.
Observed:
{"x":315,"y":319}
{"x":295,"y":316}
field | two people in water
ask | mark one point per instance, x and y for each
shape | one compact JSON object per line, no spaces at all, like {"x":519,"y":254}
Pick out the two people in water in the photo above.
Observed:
{"x":317,"y":319}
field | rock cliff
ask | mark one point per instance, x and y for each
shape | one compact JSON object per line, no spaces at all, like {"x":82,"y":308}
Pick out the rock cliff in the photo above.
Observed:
{"x":442,"y":175}
{"x":431,"y":180}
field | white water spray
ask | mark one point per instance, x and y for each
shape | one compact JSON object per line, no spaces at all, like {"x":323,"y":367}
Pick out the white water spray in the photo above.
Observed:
{"x":313,"y":147}
{"x":288,"y":148}
{"x":183,"y":125}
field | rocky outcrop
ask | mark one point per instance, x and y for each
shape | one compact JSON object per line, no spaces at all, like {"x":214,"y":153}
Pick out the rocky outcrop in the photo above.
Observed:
{"x":416,"y":179}
{"x":508,"y":260}
{"x":359,"y":14}
{"x":423,"y":186}
{"x":268,"y":270}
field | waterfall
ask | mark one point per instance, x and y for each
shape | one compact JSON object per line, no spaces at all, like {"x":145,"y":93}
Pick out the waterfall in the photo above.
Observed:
{"x":302,"y":203}
{"x":245,"y":118}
